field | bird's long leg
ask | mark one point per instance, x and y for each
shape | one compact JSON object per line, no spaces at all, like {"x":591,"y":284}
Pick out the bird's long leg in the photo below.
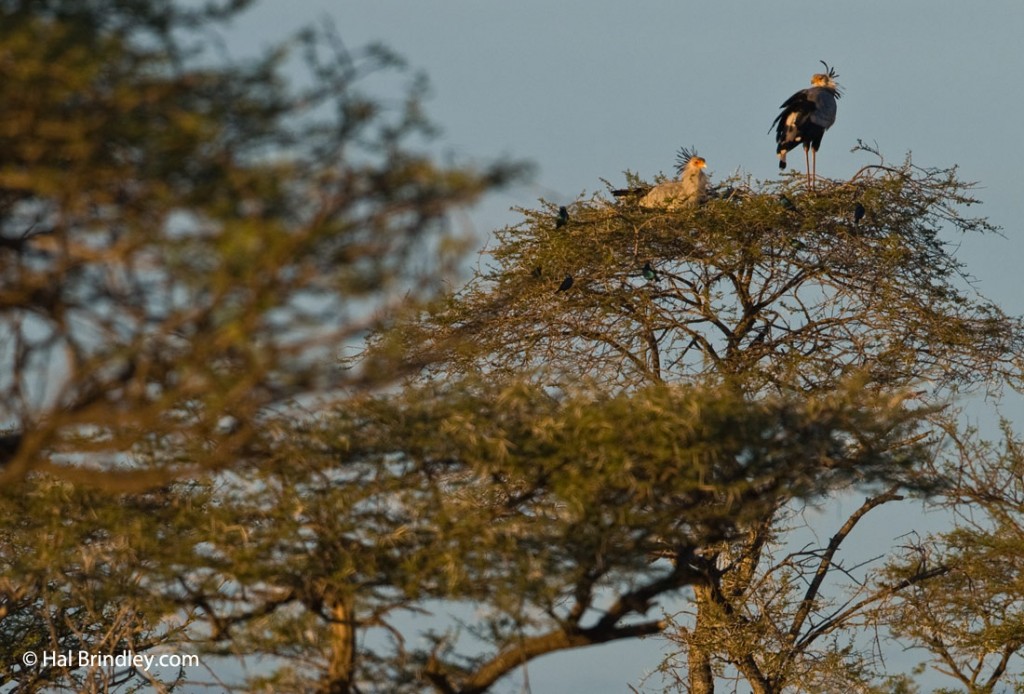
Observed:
{"x":807,"y":165}
{"x":814,"y":164}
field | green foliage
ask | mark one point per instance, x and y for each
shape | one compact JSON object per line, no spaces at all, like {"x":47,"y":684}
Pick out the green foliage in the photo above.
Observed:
{"x":180,"y":239}
{"x":763,"y":289}
{"x":79,"y":567}
{"x":972,"y":620}
{"x":546,"y":513}
{"x":186,"y":243}
{"x":748,"y":288}
{"x":186,"y":248}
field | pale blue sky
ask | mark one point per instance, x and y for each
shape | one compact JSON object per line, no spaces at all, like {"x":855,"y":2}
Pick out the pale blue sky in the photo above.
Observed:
{"x":585,"y":89}
{"x":588,"y":88}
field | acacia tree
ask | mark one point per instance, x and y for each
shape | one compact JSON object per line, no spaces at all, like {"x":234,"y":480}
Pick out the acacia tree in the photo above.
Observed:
{"x":770,"y":290}
{"x":972,"y":621}
{"x":187,"y":243}
{"x":186,"y":246}
{"x":547,"y":514}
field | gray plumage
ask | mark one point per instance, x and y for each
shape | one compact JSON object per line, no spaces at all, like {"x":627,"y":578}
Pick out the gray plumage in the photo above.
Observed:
{"x":805,"y":117}
{"x":690,"y":190}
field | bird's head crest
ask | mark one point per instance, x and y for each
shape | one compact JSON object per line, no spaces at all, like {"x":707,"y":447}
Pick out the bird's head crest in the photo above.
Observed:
{"x":684,"y":157}
{"x":827,"y":78}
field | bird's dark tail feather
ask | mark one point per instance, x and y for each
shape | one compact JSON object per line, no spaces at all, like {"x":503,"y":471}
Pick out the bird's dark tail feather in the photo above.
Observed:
{"x":623,"y":192}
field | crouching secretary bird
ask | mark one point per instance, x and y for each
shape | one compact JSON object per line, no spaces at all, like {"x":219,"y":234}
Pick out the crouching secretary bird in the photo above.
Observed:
{"x":689,"y":191}
{"x":805,"y":117}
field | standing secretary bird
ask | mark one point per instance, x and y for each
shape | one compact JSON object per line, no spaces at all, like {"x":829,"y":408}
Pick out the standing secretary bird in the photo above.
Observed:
{"x":690,"y":190}
{"x":805,"y":117}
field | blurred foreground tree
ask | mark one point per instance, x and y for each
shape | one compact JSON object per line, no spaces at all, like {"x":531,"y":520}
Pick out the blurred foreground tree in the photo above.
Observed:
{"x":187,"y":243}
{"x":184,"y":245}
{"x":522,"y":521}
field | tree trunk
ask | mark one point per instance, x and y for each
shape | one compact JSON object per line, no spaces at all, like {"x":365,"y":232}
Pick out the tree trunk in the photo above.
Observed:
{"x":341,"y":667}
{"x":701,"y":679}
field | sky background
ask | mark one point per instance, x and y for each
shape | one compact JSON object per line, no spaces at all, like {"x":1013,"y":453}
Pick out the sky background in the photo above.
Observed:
{"x":586,"y":89}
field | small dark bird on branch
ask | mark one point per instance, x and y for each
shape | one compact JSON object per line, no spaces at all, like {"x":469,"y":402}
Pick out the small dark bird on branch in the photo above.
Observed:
{"x":566,"y":284}
{"x":9,"y":443}
{"x":858,"y":213}
{"x":563,"y":217}
{"x":649,"y":273}
{"x":805,"y":117}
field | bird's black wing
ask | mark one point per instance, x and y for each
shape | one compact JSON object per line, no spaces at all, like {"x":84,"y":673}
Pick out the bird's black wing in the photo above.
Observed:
{"x":799,"y":103}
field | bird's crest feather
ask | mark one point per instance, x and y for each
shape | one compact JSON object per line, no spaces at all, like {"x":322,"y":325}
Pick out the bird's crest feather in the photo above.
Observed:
{"x":829,"y":79}
{"x":683,"y":158}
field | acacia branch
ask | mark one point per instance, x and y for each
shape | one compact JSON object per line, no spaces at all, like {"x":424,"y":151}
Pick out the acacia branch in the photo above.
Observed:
{"x":811,"y":595}
{"x":842,"y":617}
{"x":530,"y":648}
{"x":606,"y":629}
{"x":1008,"y":651}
